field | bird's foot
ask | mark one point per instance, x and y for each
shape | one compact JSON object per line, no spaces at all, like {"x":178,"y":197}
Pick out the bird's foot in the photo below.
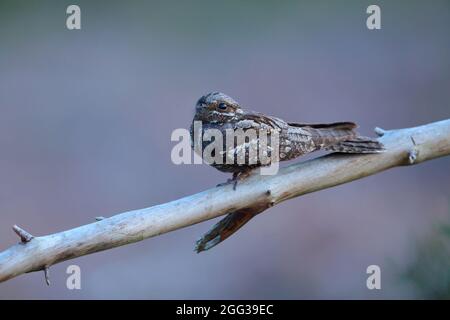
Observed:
{"x":225,"y":183}
{"x":237,"y":176}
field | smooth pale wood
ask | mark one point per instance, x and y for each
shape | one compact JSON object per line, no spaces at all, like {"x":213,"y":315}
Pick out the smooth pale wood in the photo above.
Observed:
{"x":403,"y":147}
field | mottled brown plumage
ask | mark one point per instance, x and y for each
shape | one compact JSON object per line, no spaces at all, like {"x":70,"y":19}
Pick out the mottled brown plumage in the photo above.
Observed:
{"x":218,"y":111}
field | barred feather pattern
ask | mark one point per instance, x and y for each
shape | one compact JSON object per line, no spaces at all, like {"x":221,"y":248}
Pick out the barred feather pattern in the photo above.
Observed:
{"x":357,"y":145}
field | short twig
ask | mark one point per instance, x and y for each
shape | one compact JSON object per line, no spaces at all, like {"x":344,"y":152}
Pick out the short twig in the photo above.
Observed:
{"x":380,"y":132}
{"x":47,"y":275}
{"x":24,"y":236}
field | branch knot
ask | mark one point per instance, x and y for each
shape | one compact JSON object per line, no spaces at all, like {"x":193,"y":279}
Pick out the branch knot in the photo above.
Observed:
{"x":413,"y":153}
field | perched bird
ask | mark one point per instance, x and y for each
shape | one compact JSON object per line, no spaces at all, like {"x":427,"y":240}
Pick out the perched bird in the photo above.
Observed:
{"x":218,"y":111}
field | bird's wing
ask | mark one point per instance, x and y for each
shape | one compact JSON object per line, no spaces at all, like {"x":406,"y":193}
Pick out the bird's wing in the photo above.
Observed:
{"x":259,"y":121}
{"x":335,"y":125}
{"x":323,"y":135}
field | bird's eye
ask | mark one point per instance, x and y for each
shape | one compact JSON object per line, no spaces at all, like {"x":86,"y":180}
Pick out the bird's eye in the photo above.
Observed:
{"x":223,"y":106}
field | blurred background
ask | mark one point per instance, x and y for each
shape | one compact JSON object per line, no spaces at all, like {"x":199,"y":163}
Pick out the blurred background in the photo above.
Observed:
{"x":86,"y":118}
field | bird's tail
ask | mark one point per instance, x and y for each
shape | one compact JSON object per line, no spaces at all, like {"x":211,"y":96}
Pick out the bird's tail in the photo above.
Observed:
{"x":357,"y":144}
{"x":340,"y":137}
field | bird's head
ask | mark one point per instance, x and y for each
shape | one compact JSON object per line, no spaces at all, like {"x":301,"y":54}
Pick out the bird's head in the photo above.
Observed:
{"x":216,"y":106}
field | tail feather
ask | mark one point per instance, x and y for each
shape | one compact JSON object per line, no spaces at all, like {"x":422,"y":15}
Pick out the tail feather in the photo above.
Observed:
{"x":340,"y":137}
{"x":357,"y":145}
{"x":334,"y":125}
{"x":326,"y":135}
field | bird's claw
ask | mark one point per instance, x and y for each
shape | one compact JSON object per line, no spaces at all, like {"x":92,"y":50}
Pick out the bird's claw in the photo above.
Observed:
{"x":234,"y":182}
{"x":236,"y":177}
{"x":225,"y":183}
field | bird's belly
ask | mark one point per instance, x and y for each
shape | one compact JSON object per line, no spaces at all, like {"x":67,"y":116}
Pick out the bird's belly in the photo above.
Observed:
{"x":229,"y":153}
{"x":237,"y":155}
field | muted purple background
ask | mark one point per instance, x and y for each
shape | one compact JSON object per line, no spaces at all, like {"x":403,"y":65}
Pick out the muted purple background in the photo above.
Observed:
{"x":86,"y":118}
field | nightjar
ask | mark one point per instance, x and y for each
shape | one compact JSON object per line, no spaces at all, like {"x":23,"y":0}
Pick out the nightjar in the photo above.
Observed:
{"x":220,"y":112}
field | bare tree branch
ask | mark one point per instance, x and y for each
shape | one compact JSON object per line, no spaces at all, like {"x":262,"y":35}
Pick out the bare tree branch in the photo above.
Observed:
{"x":404,"y":147}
